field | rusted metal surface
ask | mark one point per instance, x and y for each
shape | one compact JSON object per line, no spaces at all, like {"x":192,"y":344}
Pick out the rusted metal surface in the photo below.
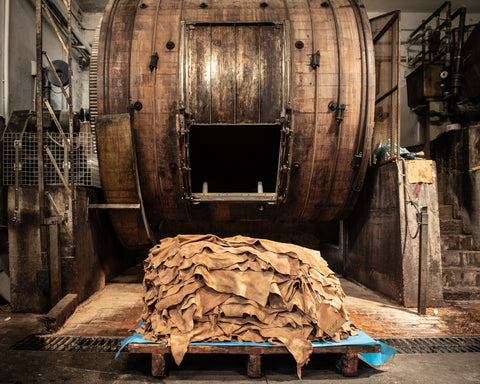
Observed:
{"x":238,"y":63}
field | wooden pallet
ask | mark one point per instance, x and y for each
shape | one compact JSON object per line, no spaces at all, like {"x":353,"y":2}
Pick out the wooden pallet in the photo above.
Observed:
{"x":254,"y":368}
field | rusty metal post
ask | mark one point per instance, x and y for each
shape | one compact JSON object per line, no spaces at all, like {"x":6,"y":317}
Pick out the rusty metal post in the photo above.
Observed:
{"x":54,"y":260}
{"x":343,"y":245}
{"x":39,"y":121}
{"x":423,"y":262}
{"x":70,"y":124}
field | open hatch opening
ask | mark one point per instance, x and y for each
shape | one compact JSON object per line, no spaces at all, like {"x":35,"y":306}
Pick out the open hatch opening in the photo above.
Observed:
{"x":234,"y":159}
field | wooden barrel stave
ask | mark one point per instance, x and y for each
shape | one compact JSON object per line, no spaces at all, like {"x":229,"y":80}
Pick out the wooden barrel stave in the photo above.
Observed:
{"x":321,"y":189}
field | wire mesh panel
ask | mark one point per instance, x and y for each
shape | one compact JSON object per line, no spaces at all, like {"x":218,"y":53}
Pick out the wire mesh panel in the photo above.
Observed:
{"x":20,"y":159}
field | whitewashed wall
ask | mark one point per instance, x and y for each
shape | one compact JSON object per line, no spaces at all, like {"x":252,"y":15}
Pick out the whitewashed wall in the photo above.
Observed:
{"x":23,"y":51}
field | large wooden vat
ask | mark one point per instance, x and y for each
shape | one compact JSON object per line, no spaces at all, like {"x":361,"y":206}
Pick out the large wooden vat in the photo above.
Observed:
{"x":222,"y":95}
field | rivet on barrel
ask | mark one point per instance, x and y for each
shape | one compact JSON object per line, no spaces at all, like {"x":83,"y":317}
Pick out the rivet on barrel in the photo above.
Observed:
{"x":137,"y":106}
{"x":170,"y":45}
{"x":299,"y":44}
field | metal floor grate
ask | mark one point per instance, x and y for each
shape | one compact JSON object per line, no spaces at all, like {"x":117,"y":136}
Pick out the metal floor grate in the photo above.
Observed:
{"x":444,"y":344}
{"x":440,"y":344}
{"x":69,"y":343}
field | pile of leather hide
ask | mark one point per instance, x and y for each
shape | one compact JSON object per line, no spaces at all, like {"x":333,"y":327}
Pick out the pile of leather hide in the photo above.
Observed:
{"x":204,"y":288}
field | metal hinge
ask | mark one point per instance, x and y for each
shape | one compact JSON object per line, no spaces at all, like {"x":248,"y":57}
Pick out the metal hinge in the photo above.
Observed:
{"x":357,"y":160}
{"x":315,"y":61}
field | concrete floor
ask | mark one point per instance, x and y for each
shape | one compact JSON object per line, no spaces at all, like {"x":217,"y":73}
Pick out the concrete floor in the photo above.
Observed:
{"x":116,"y":309}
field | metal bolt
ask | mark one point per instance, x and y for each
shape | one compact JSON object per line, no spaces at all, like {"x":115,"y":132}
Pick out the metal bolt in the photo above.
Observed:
{"x":332,"y":105}
{"x":138,"y":106}
{"x":299,"y":44}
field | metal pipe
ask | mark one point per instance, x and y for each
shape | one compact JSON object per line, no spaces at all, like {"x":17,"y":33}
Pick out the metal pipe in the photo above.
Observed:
{"x":57,"y":169}
{"x":62,"y":17}
{"x":423,"y":262}
{"x":452,"y":17}
{"x":70,"y":154}
{"x":54,"y":72}
{"x":39,"y":120}
{"x":6,"y":56}
{"x":457,"y":71}
{"x":430,"y":18}
{"x":57,"y":32}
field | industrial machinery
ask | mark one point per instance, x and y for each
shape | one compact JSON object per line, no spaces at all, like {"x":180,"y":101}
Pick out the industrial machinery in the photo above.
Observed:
{"x":443,"y":86}
{"x":231,"y":116}
{"x":224,"y":117}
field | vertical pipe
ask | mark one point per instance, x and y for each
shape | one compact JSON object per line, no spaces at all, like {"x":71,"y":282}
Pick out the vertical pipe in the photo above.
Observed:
{"x":39,"y":120}
{"x":423,"y":262}
{"x":54,"y":262}
{"x":457,"y":76}
{"x":6,"y":55}
{"x":70,"y":125}
{"x":342,"y":245}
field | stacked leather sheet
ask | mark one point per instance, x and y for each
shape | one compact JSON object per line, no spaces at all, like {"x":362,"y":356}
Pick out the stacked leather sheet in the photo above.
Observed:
{"x":204,"y":288}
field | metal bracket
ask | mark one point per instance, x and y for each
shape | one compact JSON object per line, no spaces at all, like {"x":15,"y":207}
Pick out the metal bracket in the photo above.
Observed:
{"x":52,"y":159}
{"x":339,"y":110}
{"x":357,"y":160}
{"x":153,"y":62}
{"x":340,"y":113}
{"x":315,"y":61}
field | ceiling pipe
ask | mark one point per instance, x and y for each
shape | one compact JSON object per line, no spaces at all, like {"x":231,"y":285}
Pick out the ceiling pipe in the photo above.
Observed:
{"x":6,"y":48}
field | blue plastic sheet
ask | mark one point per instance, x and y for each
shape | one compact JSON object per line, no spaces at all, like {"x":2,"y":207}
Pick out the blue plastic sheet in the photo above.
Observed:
{"x":375,"y":359}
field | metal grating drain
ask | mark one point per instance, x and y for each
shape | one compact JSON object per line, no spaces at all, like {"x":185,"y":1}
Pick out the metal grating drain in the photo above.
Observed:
{"x":446,"y":344}
{"x":440,"y":344}
{"x":69,"y":343}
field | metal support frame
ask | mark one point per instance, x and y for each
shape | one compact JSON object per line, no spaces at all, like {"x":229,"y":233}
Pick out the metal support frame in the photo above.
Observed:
{"x":50,"y":249}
